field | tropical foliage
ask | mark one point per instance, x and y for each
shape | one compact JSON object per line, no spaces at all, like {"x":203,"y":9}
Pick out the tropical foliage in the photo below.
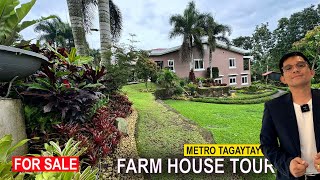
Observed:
{"x":192,"y":26}
{"x":71,"y":148}
{"x":269,"y":46}
{"x":6,"y":149}
{"x":55,"y":32}
{"x":189,"y":25}
{"x":145,"y":67}
{"x":262,"y":42}
{"x":310,"y":46}
{"x":11,"y":18}
{"x":215,"y":32}
{"x":69,"y":98}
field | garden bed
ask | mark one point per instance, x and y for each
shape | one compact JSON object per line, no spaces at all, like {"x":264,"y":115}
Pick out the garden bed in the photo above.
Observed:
{"x":242,"y":99}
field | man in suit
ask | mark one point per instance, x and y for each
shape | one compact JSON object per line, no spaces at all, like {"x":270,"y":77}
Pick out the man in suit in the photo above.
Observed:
{"x":290,"y":133}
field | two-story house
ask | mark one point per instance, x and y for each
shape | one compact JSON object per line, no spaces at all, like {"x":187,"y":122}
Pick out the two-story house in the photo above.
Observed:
{"x":234,"y":67}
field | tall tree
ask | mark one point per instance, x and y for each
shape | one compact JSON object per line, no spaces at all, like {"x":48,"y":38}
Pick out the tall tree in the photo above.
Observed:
{"x":262,"y":42}
{"x":215,"y":32}
{"x":244,"y":42}
{"x":290,"y":30}
{"x":190,"y":27}
{"x":110,"y":22}
{"x":105,"y":31}
{"x":310,"y":46}
{"x":78,"y":31}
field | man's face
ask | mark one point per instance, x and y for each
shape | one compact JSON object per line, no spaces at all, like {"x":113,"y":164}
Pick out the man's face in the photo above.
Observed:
{"x":296,"y":72}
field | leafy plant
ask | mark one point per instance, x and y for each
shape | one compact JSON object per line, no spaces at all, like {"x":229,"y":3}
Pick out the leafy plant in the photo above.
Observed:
{"x":6,"y":149}
{"x":11,"y":19}
{"x":100,"y":135}
{"x":145,"y":68}
{"x":119,"y":72}
{"x":71,"y":148}
{"x":167,"y":79}
{"x":36,"y":120}
{"x":192,"y":88}
{"x":65,"y":88}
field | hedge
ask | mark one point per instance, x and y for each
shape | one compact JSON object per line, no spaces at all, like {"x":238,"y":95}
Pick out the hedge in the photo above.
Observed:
{"x":232,"y":101}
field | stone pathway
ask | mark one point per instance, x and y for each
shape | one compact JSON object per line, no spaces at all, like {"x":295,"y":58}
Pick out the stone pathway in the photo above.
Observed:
{"x":126,"y":149}
{"x":279,"y":93}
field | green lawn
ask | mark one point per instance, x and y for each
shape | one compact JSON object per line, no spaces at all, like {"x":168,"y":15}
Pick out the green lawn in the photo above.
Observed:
{"x":161,"y":133}
{"x":228,"y":123}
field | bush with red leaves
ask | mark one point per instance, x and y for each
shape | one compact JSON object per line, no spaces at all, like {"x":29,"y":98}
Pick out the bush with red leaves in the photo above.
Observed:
{"x":100,"y":135}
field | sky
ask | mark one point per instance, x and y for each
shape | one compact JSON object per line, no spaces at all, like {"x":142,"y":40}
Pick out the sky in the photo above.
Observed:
{"x":149,"y":19}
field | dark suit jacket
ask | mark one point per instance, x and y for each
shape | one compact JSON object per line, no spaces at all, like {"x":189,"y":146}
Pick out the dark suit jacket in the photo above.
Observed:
{"x":279,"y":137}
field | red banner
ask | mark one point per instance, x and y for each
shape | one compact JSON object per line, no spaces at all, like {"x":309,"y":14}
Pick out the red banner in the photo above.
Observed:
{"x":45,"y":164}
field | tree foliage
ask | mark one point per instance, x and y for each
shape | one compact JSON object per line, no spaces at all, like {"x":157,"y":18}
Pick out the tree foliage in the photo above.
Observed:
{"x":262,"y":43}
{"x":145,"y":67}
{"x":290,"y":30}
{"x":268,"y":48}
{"x":189,"y":25}
{"x":244,"y":42}
{"x":310,"y":46}
{"x":215,"y":32}
{"x":56,"y":32}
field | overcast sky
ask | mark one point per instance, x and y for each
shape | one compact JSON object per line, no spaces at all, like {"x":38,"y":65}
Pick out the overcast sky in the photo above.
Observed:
{"x":149,"y":19}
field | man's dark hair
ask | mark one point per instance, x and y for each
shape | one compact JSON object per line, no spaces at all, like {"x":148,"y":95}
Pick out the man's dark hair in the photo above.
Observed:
{"x":292,"y":54}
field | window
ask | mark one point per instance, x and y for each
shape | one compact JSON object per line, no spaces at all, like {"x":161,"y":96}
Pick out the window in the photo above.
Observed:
{"x":246,"y":62}
{"x":171,"y":65}
{"x":218,"y":80}
{"x":159,"y":64}
{"x":232,"y":63}
{"x":232,"y":80}
{"x":198,"y":64}
{"x":244,"y":79}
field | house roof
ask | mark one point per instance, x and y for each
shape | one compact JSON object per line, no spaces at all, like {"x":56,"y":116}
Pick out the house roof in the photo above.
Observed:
{"x":162,"y":51}
{"x":269,"y":72}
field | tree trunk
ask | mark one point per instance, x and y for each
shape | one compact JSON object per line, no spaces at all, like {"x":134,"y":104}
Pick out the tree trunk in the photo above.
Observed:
{"x":105,"y":32}
{"x":76,"y":20}
{"x":191,"y":54}
{"x":210,"y":61}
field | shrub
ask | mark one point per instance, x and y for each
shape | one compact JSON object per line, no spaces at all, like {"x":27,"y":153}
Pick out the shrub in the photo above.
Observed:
{"x":99,"y":135}
{"x":170,"y":85}
{"x":167,"y":79}
{"x":65,"y":89}
{"x":116,"y":78}
{"x":162,"y":93}
{"x":145,"y":67}
{"x":198,"y":79}
{"x":232,"y":101}
{"x":178,"y":90}
{"x":182,"y":83}
{"x":192,"y":88}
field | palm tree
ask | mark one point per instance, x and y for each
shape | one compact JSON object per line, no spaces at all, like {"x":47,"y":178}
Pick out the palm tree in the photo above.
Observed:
{"x":78,"y":31}
{"x":55,"y":31}
{"x":215,"y":32}
{"x":109,"y":17}
{"x":105,"y":32}
{"x":190,"y":26}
